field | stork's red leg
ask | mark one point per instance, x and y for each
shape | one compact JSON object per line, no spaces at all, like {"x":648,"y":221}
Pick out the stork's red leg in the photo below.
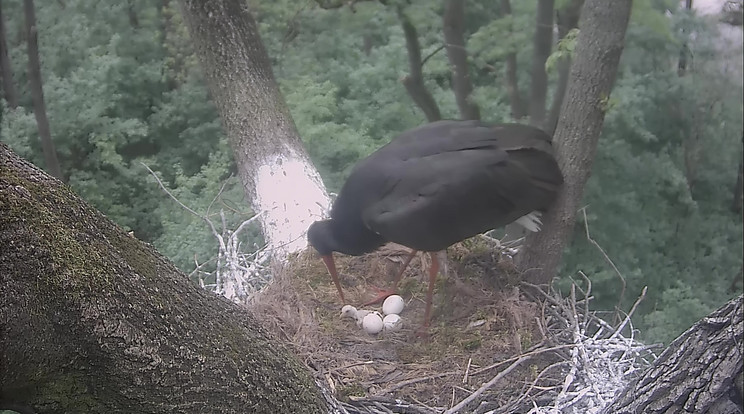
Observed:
{"x":433,"y":271}
{"x":331,"y":266}
{"x":384,"y":293}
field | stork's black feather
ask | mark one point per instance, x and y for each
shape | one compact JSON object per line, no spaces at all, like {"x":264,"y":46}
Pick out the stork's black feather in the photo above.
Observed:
{"x":441,"y":183}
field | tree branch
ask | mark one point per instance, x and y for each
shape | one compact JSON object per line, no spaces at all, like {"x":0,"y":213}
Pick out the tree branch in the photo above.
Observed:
{"x":414,"y":82}
{"x":542,"y":44}
{"x":567,"y":19}
{"x":454,"y":38}
{"x":511,"y":79}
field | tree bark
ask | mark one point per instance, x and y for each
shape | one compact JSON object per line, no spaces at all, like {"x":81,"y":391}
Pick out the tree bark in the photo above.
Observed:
{"x":598,"y":49}
{"x":95,"y":321}
{"x":280,"y":181}
{"x":542,"y":44}
{"x":6,"y":70}
{"x":414,"y":82}
{"x":37,"y":92}
{"x":511,"y":79}
{"x":732,"y":12}
{"x":454,"y":39}
{"x":700,"y":372}
{"x":567,"y":19}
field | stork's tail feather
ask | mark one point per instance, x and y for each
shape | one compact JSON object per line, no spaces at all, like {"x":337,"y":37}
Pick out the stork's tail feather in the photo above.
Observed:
{"x":531,"y":221}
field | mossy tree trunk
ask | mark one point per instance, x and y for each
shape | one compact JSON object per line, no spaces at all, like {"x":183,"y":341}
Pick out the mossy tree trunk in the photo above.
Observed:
{"x":93,"y":320}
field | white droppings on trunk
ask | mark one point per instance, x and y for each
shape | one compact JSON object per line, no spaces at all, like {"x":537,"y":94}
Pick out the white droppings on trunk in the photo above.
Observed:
{"x":290,"y":194}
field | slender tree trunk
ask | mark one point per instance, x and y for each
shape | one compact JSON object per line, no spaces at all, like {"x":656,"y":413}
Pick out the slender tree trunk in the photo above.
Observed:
{"x":511,"y":81}
{"x":567,"y":19}
{"x":732,"y":14}
{"x":684,"y":51}
{"x":280,"y":181}
{"x":454,"y":38}
{"x":542,"y":44}
{"x":597,"y":54}
{"x":691,"y":145}
{"x":414,"y":82}
{"x":132,"y":13}
{"x":366,"y":43}
{"x":564,"y":67}
{"x":700,"y":372}
{"x":6,"y":70}
{"x":37,"y":93}
{"x":95,"y":321}
{"x":736,"y":205}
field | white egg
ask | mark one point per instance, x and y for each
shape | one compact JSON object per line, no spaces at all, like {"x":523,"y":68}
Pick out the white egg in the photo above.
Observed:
{"x":360,"y":314}
{"x":392,"y":322}
{"x":349,"y":311}
{"x":393,"y":305}
{"x":372,"y":323}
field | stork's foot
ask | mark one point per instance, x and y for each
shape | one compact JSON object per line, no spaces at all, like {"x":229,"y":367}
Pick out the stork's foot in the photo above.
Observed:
{"x":382,"y":294}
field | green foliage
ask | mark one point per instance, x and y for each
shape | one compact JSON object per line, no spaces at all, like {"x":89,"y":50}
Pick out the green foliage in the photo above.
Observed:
{"x":679,"y":305}
{"x":659,"y":196}
{"x":120,"y":88}
{"x":563,"y":50}
{"x":187,"y":239}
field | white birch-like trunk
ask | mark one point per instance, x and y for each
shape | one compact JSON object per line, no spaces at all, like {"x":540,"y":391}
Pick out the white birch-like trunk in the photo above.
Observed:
{"x":280,"y":182}
{"x":289,"y":196}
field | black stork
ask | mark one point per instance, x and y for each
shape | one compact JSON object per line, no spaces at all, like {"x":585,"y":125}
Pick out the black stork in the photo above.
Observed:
{"x":436,"y":185}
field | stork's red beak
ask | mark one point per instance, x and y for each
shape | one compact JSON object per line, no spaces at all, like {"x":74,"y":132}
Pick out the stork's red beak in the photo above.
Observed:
{"x":331,"y":266}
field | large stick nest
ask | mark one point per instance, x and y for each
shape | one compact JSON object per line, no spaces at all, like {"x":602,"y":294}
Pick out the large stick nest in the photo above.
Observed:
{"x":489,"y":349}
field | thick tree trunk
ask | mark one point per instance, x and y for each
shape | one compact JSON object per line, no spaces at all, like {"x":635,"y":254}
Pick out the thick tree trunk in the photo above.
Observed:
{"x":598,"y":49}
{"x":414,"y":82}
{"x":542,"y":44}
{"x":37,"y":92}
{"x":700,"y":372}
{"x":567,"y":18}
{"x":279,"y":179}
{"x":511,"y":81}
{"x":454,"y":39}
{"x":6,"y":71}
{"x":95,"y":321}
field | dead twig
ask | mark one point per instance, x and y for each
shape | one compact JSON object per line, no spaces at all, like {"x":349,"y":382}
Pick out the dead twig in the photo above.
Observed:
{"x":607,"y":258}
{"x":486,"y":386}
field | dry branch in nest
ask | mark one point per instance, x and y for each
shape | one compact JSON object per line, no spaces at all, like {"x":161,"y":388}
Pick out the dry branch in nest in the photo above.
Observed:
{"x":593,"y":359}
{"x":234,"y":274}
{"x":561,"y":358}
